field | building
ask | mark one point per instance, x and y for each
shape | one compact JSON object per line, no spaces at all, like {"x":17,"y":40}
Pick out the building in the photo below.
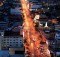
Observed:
{"x":8,"y":20}
{"x":57,"y":39}
{"x":57,"y":34}
{"x":3,"y":25}
{"x":9,"y":39}
{"x":1,"y":38}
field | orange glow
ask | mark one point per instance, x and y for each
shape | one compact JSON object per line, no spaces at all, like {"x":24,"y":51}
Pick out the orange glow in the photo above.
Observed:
{"x":32,"y":38}
{"x":54,"y":21}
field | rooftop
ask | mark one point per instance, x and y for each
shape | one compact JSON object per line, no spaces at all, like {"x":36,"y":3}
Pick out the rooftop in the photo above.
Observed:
{"x":11,"y":33}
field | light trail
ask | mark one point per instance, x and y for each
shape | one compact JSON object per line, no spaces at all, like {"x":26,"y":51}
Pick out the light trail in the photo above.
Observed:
{"x":32,"y":38}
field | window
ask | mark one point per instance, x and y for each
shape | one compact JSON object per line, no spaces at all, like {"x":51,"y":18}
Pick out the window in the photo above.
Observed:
{"x":16,"y":42}
{"x":4,"y":42}
{"x":10,"y":45}
{"x":7,"y":42}
{"x":16,"y":39}
{"x":10,"y":42}
{"x":13,"y":42}
{"x":20,"y":42}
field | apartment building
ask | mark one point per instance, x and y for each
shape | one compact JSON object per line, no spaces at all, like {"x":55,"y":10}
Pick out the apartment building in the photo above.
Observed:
{"x":10,"y":39}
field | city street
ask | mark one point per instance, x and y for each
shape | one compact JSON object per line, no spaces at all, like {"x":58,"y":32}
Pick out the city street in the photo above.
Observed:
{"x":30,"y":28}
